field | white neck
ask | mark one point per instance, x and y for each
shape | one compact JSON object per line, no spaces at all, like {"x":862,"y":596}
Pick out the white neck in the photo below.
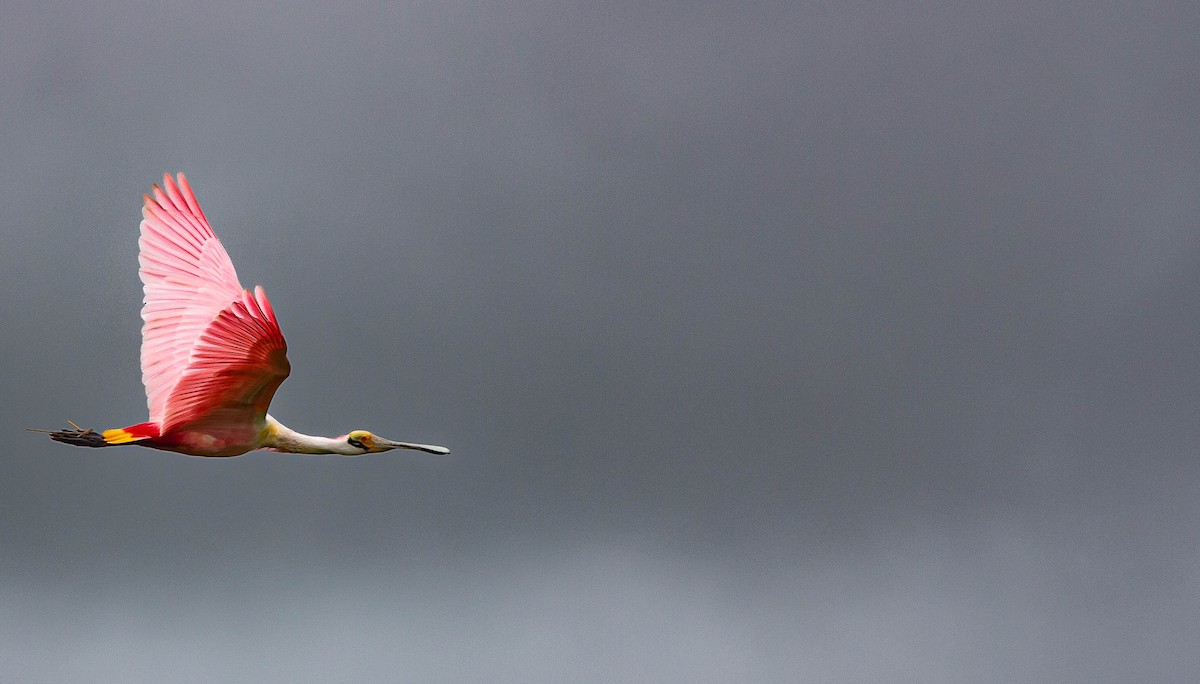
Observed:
{"x":282,"y":438}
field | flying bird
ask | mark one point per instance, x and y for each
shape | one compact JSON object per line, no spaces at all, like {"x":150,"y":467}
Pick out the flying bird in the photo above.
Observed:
{"x":212,"y":352}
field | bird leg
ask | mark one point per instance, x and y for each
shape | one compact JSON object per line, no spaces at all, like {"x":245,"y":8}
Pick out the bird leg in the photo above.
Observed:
{"x":76,"y":436}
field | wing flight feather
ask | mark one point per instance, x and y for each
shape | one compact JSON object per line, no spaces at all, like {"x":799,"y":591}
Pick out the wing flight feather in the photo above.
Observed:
{"x":235,"y":367}
{"x":202,"y":333}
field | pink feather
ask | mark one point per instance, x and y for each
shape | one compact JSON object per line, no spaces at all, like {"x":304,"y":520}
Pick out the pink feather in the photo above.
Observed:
{"x":212,"y":352}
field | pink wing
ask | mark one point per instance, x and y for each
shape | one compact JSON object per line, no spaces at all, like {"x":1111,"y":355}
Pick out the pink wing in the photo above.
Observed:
{"x":199,"y":320}
{"x":235,"y":367}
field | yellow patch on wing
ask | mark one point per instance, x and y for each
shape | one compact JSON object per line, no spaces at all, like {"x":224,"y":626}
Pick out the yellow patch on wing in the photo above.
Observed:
{"x":119,"y":436}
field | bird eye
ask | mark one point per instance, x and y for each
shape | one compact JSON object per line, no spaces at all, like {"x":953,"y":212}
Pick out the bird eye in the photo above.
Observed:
{"x":355,"y":443}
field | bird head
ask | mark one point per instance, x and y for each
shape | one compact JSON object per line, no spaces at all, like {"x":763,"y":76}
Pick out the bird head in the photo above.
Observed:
{"x":372,"y":444}
{"x":361,"y":439}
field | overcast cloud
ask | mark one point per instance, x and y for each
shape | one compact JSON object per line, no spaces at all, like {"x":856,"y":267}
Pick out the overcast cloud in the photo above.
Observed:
{"x":774,"y":342}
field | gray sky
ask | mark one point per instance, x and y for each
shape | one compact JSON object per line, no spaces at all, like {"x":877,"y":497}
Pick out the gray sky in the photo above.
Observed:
{"x":775,"y":342}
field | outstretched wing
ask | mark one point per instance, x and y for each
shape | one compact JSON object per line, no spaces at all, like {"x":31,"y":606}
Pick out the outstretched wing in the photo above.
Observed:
{"x":234,"y":369}
{"x":198,"y":319}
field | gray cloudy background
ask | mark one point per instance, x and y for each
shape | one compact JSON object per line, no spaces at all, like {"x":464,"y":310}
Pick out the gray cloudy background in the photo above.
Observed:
{"x":775,"y":342}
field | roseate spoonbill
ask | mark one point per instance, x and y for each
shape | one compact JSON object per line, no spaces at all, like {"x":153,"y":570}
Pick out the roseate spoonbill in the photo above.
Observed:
{"x":212,"y":353}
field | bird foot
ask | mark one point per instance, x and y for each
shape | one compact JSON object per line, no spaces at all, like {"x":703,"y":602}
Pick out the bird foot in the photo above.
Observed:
{"x":75,"y":435}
